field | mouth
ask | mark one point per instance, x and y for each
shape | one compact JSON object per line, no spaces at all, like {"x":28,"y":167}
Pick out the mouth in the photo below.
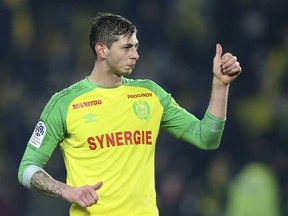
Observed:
{"x":131,"y":66}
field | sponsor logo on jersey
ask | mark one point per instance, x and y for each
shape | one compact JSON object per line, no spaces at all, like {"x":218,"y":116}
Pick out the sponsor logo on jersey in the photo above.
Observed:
{"x":86,"y":104}
{"x":149,"y":94}
{"x":120,"y":138}
{"x":90,"y":117}
{"x":141,"y":109}
{"x":38,"y":134}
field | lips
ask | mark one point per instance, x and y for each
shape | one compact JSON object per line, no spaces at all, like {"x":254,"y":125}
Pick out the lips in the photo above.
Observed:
{"x":131,"y":66}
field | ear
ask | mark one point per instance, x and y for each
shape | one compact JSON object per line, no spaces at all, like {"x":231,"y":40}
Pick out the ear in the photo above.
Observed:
{"x":100,"y":50}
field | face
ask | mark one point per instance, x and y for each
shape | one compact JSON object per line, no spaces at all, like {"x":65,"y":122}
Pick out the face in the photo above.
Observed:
{"x":122,"y":55}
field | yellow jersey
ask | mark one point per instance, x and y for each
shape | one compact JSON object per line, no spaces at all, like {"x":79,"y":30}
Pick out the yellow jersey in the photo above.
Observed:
{"x":109,"y":135}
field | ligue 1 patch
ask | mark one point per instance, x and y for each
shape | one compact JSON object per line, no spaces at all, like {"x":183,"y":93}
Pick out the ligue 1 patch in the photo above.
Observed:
{"x":38,"y":134}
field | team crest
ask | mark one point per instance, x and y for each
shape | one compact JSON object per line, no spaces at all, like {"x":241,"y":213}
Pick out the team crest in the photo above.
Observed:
{"x":141,"y":109}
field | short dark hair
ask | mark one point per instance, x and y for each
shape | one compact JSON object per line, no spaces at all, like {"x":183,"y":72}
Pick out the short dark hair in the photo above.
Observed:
{"x":107,"y":27}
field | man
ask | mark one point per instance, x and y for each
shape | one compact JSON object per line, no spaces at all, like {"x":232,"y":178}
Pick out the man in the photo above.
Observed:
{"x":107,"y":126}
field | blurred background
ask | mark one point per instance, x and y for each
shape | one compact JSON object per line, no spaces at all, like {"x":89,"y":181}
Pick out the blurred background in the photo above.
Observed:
{"x":44,"y":48}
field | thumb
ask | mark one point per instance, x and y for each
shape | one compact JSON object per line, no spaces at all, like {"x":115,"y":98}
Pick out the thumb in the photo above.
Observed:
{"x":218,"y":51}
{"x":98,"y":185}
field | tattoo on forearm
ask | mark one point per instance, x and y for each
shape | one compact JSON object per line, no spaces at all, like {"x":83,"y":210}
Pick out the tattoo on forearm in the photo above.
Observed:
{"x":43,"y":183}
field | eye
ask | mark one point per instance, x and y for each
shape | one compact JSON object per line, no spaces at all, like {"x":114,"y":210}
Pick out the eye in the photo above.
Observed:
{"x":126,"y":48}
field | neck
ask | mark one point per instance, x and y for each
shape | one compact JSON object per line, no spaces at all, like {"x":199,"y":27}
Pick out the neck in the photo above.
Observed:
{"x":103,"y":78}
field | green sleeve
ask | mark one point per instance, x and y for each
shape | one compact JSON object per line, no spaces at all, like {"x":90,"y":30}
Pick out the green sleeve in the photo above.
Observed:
{"x":30,"y":157}
{"x":48,"y":133}
{"x":204,"y":134}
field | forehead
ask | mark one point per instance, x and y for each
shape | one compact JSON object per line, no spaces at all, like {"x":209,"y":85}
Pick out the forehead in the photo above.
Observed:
{"x":127,"y":40}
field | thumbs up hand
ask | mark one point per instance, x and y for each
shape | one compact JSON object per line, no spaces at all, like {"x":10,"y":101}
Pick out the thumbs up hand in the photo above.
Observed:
{"x":84,"y":196}
{"x":225,"y":67}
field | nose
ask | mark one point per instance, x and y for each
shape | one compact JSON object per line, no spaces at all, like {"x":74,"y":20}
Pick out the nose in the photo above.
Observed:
{"x":134,"y":54}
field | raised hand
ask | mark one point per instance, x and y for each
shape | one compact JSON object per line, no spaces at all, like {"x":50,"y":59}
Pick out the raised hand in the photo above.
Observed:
{"x":225,"y":68}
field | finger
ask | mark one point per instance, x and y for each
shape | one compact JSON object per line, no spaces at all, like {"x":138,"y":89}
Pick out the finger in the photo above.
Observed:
{"x":93,"y":195}
{"x":226,"y":57}
{"x":236,"y":70}
{"x":89,"y":197}
{"x":218,"y":51}
{"x":88,"y":200}
{"x":231,"y":63}
{"x":98,"y":185}
{"x":81,"y":203}
{"x":234,"y":73}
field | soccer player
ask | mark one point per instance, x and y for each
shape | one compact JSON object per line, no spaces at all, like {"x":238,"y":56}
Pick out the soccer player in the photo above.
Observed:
{"x":107,"y":126}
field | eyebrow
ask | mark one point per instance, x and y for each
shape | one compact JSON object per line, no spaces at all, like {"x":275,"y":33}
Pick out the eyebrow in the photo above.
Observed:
{"x":131,"y":45}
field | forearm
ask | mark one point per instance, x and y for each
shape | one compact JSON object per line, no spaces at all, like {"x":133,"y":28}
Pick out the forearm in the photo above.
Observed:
{"x":45,"y":184}
{"x":205,"y":134}
{"x":219,"y":98}
{"x":84,"y":196}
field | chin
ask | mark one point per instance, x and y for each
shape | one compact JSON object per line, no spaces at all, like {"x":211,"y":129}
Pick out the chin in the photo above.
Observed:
{"x":125,"y":73}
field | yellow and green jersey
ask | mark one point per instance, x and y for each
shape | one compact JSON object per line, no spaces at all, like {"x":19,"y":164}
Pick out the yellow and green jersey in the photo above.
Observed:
{"x":109,"y":135}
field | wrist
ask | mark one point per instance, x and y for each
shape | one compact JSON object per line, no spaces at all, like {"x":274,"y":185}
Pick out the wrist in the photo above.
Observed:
{"x":65,"y":191}
{"x":219,"y":84}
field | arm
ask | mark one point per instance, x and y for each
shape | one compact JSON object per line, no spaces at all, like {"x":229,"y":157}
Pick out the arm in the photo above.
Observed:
{"x":84,"y":196}
{"x":206,"y":133}
{"x":43,"y":183}
{"x":225,"y":69}
{"x":32,"y":175}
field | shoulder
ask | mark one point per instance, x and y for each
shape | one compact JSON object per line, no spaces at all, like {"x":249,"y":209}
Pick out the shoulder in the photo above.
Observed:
{"x":75,"y":89}
{"x":63,"y":98}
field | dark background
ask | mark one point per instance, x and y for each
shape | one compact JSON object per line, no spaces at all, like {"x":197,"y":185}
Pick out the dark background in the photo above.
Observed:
{"x":44,"y":48}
